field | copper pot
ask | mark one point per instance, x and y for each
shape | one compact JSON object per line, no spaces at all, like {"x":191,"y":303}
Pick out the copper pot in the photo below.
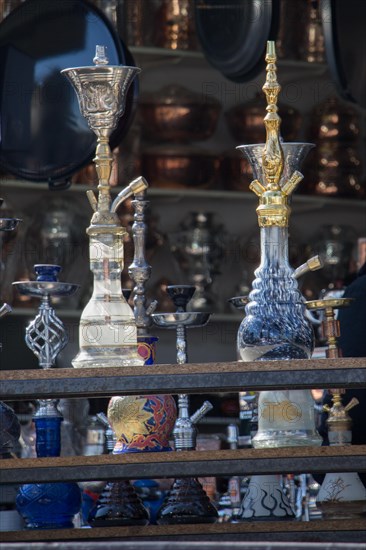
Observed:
{"x":179,"y":166}
{"x":334,"y":120}
{"x":335,"y":155}
{"x":334,"y":182}
{"x":235,"y":171}
{"x":175,"y":113}
{"x":245,"y":121}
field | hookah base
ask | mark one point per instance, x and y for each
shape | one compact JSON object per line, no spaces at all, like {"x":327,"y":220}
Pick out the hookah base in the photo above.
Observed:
{"x":352,"y":509}
{"x":87,"y":360}
{"x":118,"y":505}
{"x":187,"y":503}
{"x":284,"y":438}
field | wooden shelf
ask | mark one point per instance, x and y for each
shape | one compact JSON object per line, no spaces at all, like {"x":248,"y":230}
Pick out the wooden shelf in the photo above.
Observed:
{"x":189,"y":378}
{"x":315,"y":531}
{"x":185,"y":464}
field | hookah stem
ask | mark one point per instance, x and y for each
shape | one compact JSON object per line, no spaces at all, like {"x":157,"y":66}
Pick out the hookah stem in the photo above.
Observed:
{"x":183,"y":399}
{"x":45,"y":308}
{"x":140,"y":270}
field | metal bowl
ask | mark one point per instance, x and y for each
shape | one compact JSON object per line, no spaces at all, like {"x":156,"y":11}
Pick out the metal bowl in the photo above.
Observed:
{"x":179,"y":166}
{"x":177,"y":114}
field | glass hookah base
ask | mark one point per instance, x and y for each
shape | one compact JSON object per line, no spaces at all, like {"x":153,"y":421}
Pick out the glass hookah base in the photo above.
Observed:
{"x":341,"y":509}
{"x":120,"y":357}
{"x":266,"y":439}
{"x":43,"y":524}
{"x":186,"y":503}
{"x":118,"y":505}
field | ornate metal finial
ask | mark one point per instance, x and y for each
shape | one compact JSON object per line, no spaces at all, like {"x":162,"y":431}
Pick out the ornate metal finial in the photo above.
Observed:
{"x":273,"y":207}
{"x":100,"y":56}
{"x":272,"y":159}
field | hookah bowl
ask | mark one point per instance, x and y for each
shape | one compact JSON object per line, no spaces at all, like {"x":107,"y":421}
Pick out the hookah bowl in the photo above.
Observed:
{"x":186,"y":502}
{"x":46,"y":335}
{"x":107,"y":331}
{"x":342,"y":495}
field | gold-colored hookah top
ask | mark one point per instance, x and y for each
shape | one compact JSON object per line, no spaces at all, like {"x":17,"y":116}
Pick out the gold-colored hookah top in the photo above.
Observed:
{"x":273,"y":206}
{"x":330,"y":330}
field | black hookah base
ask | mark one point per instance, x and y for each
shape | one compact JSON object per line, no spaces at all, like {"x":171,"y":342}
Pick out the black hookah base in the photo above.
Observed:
{"x":118,"y":505}
{"x":186,"y":503}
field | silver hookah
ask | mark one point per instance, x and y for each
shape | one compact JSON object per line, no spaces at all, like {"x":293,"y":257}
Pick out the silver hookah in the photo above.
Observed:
{"x":46,"y":335}
{"x":102,"y":91}
{"x":184,"y":432}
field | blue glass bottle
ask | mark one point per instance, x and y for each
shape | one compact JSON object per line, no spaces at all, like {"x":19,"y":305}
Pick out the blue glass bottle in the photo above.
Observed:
{"x":48,"y":505}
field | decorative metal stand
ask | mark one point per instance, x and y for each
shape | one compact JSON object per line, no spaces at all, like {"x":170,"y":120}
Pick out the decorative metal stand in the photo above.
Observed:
{"x":341,"y":495}
{"x":107,"y":333}
{"x":47,"y":505}
{"x":186,"y":501}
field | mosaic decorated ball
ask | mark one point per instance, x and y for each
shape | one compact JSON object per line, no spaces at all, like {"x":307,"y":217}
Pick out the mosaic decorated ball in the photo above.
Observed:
{"x":142,"y":423}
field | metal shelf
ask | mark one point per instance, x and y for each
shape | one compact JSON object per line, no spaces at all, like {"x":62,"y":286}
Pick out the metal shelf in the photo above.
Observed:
{"x":189,"y":378}
{"x":185,"y":464}
{"x":319,"y":531}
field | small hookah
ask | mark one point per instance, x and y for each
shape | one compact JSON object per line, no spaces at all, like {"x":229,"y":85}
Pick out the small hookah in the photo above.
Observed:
{"x":186,"y":501}
{"x":341,"y":495}
{"x":47,"y":505}
{"x":107,"y":331}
